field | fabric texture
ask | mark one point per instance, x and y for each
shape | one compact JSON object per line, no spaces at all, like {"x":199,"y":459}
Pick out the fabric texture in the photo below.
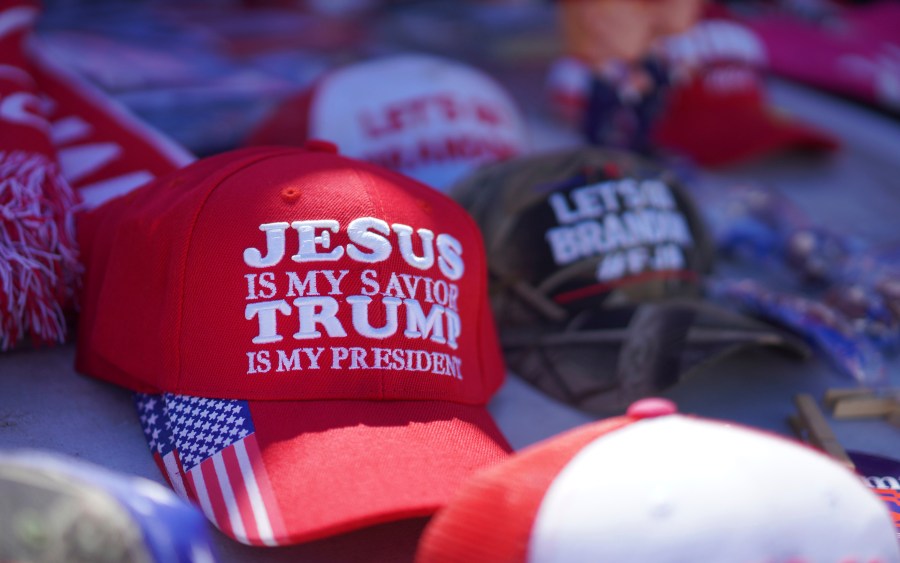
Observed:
{"x":598,"y":260}
{"x":658,"y":486}
{"x":847,"y":49}
{"x":39,"y":266}
{"x":311,"y":340}
{"x":718,"y":112}
{"x":64,"y":147}
{"x":429,"y":117}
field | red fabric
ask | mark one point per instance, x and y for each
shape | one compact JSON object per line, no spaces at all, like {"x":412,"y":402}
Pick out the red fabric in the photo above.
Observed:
{"x":723,"y":122}
{"x":427,"y":117}
{"x":337,"y":466}
{"x":490,"y":518}
{"x":105,"y":150}
{"x":57,"y":134}
{"x":171,"y":309}
{"x":345,"y":444}
{"x":97,"y":229}
{"x":393,"y":542}
{"x":38,"y":256}
{"x":851,"y":51}
{"x":287,"y":124}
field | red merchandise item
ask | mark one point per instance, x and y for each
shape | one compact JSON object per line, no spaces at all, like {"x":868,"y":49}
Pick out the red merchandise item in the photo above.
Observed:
{"x":64,"y":147}
{"x":105,"y":151}
{"x":717,"y":112}
{"x":313,"y":330}
{"x":721,"y":117}
{"x":38,"y":256}
{"x":655,"y":486}
{"x":850,"y":49}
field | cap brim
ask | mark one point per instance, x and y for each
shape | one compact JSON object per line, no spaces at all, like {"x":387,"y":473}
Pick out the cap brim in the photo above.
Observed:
{"x":304,"y":471}
{"x":765,"y":132}
{"x":724,"y":133}
{"x":603,"y":359}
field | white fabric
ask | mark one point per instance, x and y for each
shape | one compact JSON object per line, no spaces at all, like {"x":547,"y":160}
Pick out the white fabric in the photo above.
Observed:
{"x":412,"y":107}
{"x":711,"y":41}
{"x":676,"y":489}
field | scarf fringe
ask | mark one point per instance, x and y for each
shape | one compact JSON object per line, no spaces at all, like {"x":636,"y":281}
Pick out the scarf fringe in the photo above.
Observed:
{"x":39,"y":267}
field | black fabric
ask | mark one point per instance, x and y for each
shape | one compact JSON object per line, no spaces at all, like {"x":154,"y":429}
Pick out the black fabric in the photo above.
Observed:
{"x":614,"y":120}
{"x":597,"y":260}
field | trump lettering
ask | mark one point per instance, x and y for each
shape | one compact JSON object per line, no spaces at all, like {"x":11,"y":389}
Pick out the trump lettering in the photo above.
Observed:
{"x":306,"y":305}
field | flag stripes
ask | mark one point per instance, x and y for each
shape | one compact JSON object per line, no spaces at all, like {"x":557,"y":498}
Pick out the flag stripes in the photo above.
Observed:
{"x":209,"y":451}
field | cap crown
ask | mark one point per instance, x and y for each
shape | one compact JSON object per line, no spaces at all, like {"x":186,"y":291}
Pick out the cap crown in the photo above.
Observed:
{"x":284,"y":274}
{"x":663,"y":488}
{"x":433,"y":118}
{"x":587,"y":227}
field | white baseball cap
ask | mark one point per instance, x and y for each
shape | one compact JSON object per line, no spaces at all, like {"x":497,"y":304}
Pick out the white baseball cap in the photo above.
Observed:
{"x":656,"y":486}
{"x":428,"y":117}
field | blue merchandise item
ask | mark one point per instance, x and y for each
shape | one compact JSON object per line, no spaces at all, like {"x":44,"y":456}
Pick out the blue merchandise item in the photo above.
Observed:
{"x":826,"y":329}
{"x":56,"y":508}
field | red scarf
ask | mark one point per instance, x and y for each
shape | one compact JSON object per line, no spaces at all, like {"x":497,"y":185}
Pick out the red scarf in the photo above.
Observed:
{"x":64,"y":147}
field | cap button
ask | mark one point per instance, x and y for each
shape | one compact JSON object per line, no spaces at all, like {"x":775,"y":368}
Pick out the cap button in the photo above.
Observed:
{"x":651,"y":408}
{"x":319,"y":145}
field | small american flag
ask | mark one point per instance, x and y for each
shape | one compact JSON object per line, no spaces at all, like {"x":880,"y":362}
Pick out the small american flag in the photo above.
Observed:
{"x":892,"y":499}
{"x":208,"y":450}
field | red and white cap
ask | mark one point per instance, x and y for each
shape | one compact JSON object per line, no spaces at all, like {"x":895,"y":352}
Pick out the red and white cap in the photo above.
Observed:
{"x":428,"y":117}
{"x":657,"y":486}
{"x":718,"y":113}
{"x":309,"y":335}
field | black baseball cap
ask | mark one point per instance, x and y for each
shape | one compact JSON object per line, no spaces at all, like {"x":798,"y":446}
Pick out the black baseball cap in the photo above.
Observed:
{"x":597,"y":260}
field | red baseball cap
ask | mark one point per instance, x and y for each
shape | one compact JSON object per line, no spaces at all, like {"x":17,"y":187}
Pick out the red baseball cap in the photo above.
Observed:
{"x":309,"y":335}
{"x":717,"y":113}
{"x":656,"y":486}
{"x":721,"y":117}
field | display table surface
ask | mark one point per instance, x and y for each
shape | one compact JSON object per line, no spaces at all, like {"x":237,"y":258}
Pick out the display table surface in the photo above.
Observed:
{"x":44,"y":404}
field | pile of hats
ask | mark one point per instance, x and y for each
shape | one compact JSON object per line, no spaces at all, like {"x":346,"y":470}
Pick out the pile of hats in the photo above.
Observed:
{"x":317,"y":349}
{"x":714,"y":88}
{"x":313,"y":338}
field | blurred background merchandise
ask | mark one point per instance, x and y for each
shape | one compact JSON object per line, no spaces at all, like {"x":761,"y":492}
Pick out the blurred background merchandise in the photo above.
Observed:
{"x":805,"y":239}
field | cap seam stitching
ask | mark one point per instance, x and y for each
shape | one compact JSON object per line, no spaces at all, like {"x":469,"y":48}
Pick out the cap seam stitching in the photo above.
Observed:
{"x":484,"y":301}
